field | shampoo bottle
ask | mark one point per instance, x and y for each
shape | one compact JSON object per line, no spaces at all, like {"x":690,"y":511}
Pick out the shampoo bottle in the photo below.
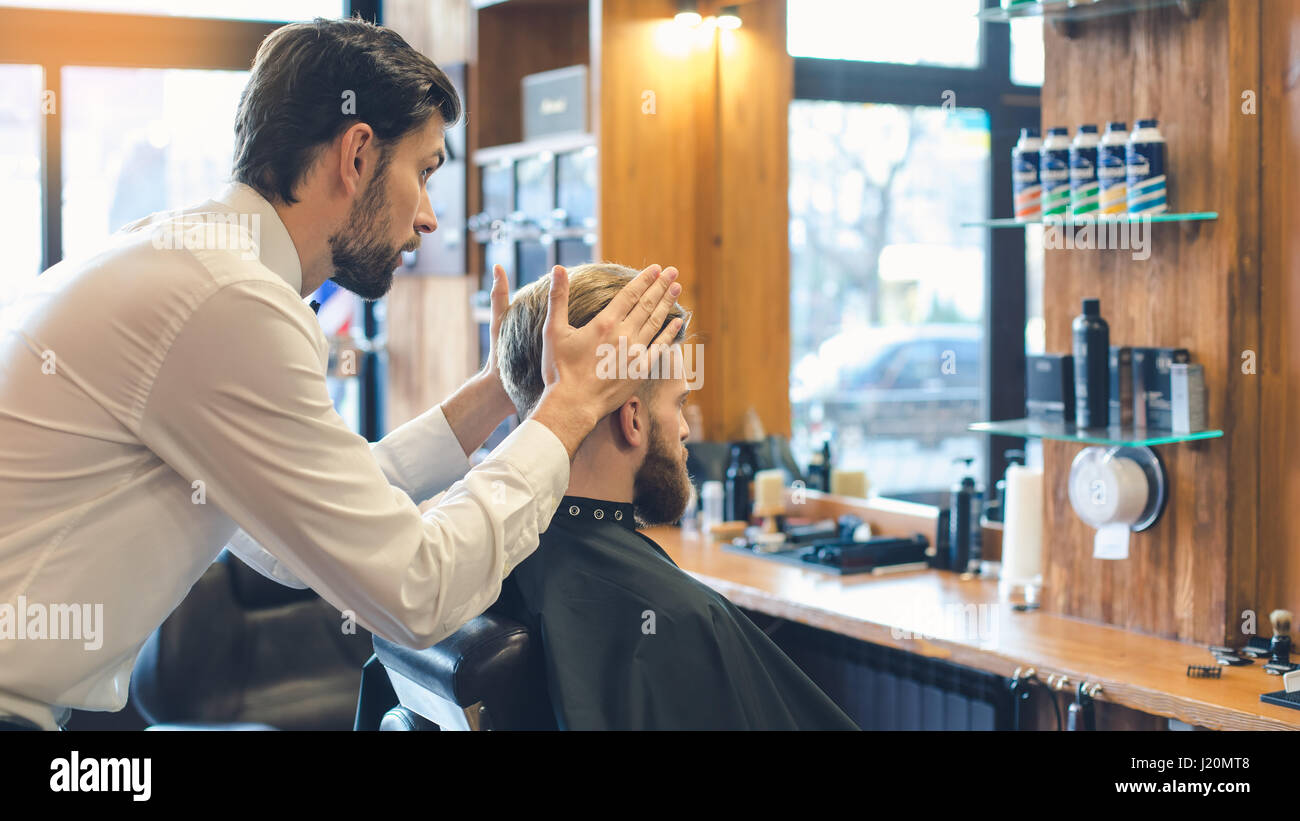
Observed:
{"x":1091,"y":367}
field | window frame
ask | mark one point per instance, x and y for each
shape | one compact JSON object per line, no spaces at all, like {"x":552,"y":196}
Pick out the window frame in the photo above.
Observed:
{"x":1010,"y":107}
{"x":57,"y":38}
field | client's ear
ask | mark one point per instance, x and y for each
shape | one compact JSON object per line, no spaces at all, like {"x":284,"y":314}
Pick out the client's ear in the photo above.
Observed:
{"x":632,"y":421}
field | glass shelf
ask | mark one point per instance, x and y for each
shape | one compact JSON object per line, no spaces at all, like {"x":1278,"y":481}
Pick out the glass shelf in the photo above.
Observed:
{"x":1192,"y":216}
{"x":1067,"y":10}
{"x":1068,"y":432}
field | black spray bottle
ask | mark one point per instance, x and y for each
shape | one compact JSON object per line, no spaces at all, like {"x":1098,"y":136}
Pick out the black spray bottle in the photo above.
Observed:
{"x":965,"y":539}
{"x":1091,"y":367}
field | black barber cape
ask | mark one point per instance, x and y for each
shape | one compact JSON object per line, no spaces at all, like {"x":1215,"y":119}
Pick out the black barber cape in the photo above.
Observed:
{"x":634,"y":643}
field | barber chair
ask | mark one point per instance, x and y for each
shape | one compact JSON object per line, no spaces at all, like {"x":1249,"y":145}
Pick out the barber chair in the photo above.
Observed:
{"x":243,"y":652}
{"x":489,"y":675}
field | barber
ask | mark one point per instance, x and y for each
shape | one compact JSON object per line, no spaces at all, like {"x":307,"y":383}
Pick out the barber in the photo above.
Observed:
{"x":166,"y":397}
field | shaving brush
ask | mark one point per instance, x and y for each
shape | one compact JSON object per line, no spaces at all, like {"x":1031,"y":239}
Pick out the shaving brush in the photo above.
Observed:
{"x":1280,"y":646}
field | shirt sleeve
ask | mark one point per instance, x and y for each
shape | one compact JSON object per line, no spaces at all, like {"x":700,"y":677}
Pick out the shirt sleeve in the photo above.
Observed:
{"x":421,"y":458}
{"x":240,"y":403}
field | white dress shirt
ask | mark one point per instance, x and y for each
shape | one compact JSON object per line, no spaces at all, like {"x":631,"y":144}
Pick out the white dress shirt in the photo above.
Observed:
{"x":159,"y":396}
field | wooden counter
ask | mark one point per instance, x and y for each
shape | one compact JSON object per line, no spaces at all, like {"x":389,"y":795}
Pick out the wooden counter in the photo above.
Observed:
{"x":963,"y":622}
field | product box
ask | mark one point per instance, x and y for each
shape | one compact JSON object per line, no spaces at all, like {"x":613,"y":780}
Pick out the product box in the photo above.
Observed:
{"x":555,"y":102}
{"x":1187,"y":395}
{"x":1121,"y":386}
{"x":1049,"y":387}
{"x":1153,"y":387}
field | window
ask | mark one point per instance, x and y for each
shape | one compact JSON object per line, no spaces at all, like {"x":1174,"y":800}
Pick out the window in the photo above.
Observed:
{"x":905,"y":327}
{"x":148,"y":127}
{"x":911,"y":32}
{"x":1027,"y":51}
{"x":138,"y":140}
{"x":226,"y":9}
{"x":886,"y":287}
{"x":20,"y":174}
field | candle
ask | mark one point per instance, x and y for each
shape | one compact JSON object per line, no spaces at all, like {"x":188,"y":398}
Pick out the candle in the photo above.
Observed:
{"x":768,"y":488}
{"x":1022,"y":528}
{"x":849,"y":483}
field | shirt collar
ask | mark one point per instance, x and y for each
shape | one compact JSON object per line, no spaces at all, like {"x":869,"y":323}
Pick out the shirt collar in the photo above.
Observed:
{"x":597,"y":511}
{"x":276,"y":249}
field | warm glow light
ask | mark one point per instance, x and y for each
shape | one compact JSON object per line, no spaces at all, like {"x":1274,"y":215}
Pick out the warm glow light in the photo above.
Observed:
{"x":689,"y":18}
{"x":729,"y":18}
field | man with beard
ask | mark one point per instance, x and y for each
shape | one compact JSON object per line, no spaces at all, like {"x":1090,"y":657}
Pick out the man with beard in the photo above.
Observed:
{"x":630,"y":641}
{"x":167,"y":395}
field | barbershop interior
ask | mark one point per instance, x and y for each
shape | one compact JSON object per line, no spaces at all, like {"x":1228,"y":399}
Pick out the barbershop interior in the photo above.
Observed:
{"x":993,"y":325}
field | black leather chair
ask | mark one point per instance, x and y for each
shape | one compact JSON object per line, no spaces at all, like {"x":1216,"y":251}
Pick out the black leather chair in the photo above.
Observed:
{"x":243,"y":652}
{"x":489,"y":675}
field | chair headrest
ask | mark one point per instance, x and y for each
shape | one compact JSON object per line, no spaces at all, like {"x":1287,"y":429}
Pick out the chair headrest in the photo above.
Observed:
{"x":484,"y":658}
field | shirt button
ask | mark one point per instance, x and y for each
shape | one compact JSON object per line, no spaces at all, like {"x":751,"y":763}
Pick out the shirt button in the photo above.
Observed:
{"x":600,"y":514}
{"x":573,"y":510}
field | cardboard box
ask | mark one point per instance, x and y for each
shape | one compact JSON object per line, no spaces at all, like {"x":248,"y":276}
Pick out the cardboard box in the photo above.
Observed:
{"x":1153,"y":386}
{"x":1049,"y":387}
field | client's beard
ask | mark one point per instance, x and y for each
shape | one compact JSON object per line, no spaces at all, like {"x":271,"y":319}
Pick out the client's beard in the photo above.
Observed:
{"x":662,"y":487}
{"x":363,"y":260}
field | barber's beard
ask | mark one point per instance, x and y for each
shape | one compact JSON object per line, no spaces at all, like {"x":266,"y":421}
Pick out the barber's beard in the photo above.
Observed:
{"x":662,"y":487}
{"x":363,"y":259}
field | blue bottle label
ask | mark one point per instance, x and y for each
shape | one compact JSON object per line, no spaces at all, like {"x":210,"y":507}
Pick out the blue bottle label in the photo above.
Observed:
{"x":1084,"y":190}
{"x":1146,"y":178}
{"x":1025,"y":187}
{"x":1112,"y":179}
{"x":1055,"y":175}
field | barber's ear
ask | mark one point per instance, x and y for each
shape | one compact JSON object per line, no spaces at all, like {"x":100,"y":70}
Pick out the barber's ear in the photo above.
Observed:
{"x":631,"y":421}
{"x":356,"y":146}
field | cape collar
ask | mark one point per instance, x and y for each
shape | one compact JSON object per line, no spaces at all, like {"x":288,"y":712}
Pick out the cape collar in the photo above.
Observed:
{"x":597,"y":511}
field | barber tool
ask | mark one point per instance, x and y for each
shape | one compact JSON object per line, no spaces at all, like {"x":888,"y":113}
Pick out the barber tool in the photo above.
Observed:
{"x":1204,"y":671}
{"x":842,"y":556}
{"x":1280,"y":647}
{"x":769,"y":498}
{"x":1289,"y":695}
{"x":820,"y":531}
{"x":1257,"y":648}
{"x":1118,"y":491}
{"x":1082,"y":713}
{"x":1228,"y":656}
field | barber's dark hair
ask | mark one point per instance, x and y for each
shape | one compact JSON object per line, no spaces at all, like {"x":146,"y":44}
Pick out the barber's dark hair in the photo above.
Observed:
{"x":297,"y":97}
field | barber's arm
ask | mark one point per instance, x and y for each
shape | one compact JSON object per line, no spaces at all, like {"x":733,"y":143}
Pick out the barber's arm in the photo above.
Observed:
{"x":427,"y":454}
{"x":255,"y":424}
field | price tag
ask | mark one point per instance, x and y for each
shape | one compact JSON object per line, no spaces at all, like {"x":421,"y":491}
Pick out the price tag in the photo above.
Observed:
{"x":1111,"y":542}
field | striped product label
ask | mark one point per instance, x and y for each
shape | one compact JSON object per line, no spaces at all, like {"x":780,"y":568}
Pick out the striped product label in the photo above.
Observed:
{"x":1146,"y":178}
{"x":1084,"y":190}
{"x":1026,"y":191}
{"x":1112,"y":187}
{"x":1055,"y":178}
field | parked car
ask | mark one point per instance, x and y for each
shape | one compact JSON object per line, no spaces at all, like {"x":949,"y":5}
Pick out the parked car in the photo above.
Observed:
{"x":904,"y":380}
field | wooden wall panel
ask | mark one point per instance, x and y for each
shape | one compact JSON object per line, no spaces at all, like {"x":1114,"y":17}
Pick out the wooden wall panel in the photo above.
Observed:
{"x":1279,"y":351}
{"x":1199,"y":289}
{"x":751,"y":357}
{"x":432,"y":344}
{"x":693,"y":168}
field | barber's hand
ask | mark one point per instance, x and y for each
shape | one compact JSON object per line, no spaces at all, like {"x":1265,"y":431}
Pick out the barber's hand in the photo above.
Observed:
{"x":491,"y":369}
{"x":575,"y":397}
